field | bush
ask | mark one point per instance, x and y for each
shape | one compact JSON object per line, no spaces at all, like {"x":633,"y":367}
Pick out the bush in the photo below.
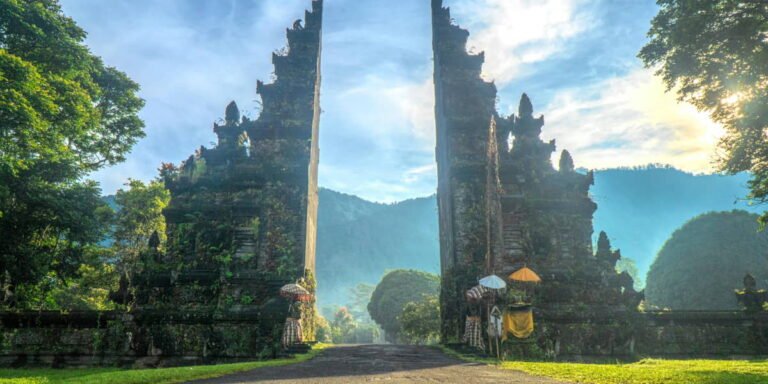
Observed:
{"x":396,"y":289}
{"x":705,"y":260}
{"x":420,"y":321}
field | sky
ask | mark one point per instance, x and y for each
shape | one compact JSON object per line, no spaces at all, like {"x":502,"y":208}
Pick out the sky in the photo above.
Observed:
{"x":576,"y":59}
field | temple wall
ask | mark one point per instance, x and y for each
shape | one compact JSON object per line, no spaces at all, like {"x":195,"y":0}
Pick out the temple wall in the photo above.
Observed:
{"x":139,"y":339}
{"x":56,"y":339}
{"x":573,"y":336}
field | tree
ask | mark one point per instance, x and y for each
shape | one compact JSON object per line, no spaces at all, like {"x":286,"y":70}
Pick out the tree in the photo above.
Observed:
{"x":705,"y":260}
{"x":715,"y":55}
{"x":420,"y":321}
{"x":396,"y":289}
{"x":323,"y":330}
{"x":63,"y":114}
{"x":360,"y":297}
{"x":140,"y":216}
{"x":343,"y":326}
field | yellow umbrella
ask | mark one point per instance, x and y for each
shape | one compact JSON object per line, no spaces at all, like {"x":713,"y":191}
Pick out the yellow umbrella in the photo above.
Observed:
{"x":525,"y":274}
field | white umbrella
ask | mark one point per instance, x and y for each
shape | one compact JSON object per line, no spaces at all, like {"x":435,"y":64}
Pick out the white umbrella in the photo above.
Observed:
{"x":493,"y":282}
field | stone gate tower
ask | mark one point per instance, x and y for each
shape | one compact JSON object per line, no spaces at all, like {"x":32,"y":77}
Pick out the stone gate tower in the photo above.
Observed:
{"x":504,"y":206}
{"x":242,"y":219}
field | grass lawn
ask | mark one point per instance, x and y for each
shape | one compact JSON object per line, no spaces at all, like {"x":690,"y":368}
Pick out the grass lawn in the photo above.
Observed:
{"x":647,"y":371}
{"x":140,"y":376}
{"x":652,"y":371}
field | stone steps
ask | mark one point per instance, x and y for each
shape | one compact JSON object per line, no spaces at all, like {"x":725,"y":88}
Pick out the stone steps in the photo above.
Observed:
{"x":245,"y":241}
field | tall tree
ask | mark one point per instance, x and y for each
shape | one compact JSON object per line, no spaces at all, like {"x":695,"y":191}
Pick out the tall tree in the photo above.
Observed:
{"x":714,"y":54}
{"x":360,"y":296}
{"x":420,"y":321}
{"x":396,"y":289}
{"x":63,"y":114}
{"x":139,"y":217}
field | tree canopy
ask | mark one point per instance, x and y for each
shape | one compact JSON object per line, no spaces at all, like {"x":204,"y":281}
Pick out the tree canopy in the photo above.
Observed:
{"x":139,"y":217}
{"x":396,"y":289}
{"x":704,"y":261}
{"x":714,"y":54}
{"x":63,"y":114}
{"x":420,"y":321}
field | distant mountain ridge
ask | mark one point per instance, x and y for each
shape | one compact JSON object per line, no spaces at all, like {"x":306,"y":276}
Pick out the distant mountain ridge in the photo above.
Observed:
{"x":639,"y":208}
{"x":358,"y":240}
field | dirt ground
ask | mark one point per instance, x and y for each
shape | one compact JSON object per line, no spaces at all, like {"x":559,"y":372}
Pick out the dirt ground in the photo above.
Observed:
{"x":374,"y":363}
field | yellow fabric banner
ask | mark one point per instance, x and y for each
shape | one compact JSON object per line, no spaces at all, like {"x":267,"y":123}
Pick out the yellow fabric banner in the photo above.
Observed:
{"x":518,"y":323}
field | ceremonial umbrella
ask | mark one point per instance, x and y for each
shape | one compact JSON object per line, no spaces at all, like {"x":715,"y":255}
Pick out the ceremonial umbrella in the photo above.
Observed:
{"x":493,"y":282}
{"x":295,"y":292}
{"x":525,"y":274}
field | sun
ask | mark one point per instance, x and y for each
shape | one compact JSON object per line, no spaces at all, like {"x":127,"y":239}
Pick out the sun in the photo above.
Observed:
{"x":734,"y":98}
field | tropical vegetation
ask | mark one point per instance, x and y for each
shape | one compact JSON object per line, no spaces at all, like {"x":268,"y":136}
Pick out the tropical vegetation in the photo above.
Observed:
{"x":394,"y":293}
{"x":705,"y":260}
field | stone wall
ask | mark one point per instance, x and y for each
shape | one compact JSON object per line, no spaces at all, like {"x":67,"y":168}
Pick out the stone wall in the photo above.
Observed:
{"x":632,"y":335}
{"x":55,"y":339}
{"x":137,"y":339}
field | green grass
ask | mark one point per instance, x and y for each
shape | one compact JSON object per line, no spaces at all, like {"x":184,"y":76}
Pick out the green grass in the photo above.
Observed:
{"x":647,"y":371}
{"x":141,"y":376}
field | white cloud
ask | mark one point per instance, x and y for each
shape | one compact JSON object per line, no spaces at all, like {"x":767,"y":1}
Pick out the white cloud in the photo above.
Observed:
{"x":516,"y":33}
{"x":385,"y":125}
{"x":190,"y":60}
{"x":630,"y":120}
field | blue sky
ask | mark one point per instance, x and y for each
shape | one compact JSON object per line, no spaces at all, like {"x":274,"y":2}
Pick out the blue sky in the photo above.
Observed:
{"x":575,"y":58}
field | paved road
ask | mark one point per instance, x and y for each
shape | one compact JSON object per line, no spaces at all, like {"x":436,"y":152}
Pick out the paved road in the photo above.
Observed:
{"x":373,"y":363}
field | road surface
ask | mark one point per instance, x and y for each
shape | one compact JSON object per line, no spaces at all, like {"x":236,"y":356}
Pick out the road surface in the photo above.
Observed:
{"x":381,"y":363}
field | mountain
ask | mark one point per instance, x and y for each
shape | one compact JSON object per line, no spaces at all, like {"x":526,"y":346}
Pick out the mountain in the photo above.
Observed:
{"x":640,"y":208}
{"x":705,"y":260}
{"x":357,"y":241}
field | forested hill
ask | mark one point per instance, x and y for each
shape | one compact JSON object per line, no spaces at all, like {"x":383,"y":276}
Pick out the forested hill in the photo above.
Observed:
{"x":358,"y":240}
{"x":639,"y":209}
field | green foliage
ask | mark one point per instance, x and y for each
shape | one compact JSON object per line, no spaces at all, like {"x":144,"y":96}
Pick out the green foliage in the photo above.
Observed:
{"x":357,"y":235}
{"x":55,"y":230}
{"x":713,"y":53}
{"x":345,"y":329}
{"x":63,"y":114}
{"x":140,"y":215}
{"x":323,"y":331}
{"x":705,"y":260}
{"x":420,"y":321}
{"x":89,"y":290}
{"x":641,"y":207}
{"x":360,"y":296}
{"x":396,"y":289}
{"x":343,"y":326}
